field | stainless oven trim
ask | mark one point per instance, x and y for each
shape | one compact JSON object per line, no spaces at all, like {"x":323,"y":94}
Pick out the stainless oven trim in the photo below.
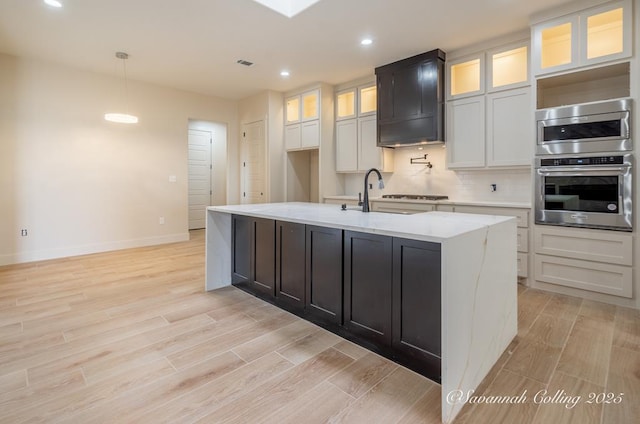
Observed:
{"x":588,"y":112}
{"x":623,"y":219}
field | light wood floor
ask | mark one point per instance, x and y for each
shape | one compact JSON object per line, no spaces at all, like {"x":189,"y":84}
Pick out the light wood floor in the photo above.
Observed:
{"x":131,"y":337}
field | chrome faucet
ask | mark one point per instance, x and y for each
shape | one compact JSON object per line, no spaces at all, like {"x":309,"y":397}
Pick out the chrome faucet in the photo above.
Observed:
{"x":365,"y":202}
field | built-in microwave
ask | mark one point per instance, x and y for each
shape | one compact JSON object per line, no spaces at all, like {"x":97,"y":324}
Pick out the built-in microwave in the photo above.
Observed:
{"x":585,"y":191}
{"x":584,"y":128}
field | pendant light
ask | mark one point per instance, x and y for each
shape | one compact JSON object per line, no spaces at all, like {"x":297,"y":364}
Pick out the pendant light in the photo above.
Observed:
{"x":123,"y":118}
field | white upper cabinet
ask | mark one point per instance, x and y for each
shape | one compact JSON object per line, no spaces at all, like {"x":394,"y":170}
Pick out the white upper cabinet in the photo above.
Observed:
{"x":346,"y":104}
{"x":302,"y":121}
{"x":347,"y":145}
{"x":465,"y":133}
{"x":508,"y":67}
{"x":489,"y":114}
{"x":465,"y":77}
{"x":369,"y":154}
{"x":310,"y":105}
{"x":292,"y":110}
{"x":356,"y":131}
{"x":510,"y":133}
{"x":596,"y":35}
{"x":367,"y":100}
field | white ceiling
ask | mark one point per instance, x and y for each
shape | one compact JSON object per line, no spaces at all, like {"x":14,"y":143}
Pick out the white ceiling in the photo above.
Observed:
{"x":194,"y":44}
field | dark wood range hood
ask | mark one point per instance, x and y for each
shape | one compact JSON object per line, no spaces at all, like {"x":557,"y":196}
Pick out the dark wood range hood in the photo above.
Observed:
{"x":411,"y":100}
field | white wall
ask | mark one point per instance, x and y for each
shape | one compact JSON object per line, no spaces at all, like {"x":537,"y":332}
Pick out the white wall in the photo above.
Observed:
{"x":268,"y":106}
{"x":513,"y":185}
{"x":80,"y":184}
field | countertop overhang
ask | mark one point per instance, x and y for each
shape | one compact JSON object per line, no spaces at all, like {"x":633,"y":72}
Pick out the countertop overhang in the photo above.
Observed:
{"x":428,"y":226}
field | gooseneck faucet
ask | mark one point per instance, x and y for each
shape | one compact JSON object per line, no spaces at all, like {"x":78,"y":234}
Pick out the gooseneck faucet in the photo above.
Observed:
{"x":365,"y":202}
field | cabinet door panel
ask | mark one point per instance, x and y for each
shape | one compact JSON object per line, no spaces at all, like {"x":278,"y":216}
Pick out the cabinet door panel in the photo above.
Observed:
{"x":242,"y":247}
{"x":347,"y":145}
{"x":466,"y":138}
{"x":292,"y":136}
{"x":510,"y":133}
{"x":407,"y":99}
{"x":310,"y":134}
{"x":264,"y":254}
{"x":324,"y":273}
{"x":385,"y":96}
{"x":290,"y":263}
{"x":416,"y":298}
{"x":367,"y":277}
{"x":370,"y":154}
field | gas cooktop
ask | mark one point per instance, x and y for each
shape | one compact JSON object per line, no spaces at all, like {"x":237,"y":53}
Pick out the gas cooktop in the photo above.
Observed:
{"x":415,"y":196}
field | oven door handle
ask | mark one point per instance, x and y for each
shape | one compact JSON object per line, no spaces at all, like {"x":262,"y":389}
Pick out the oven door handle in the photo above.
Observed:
{"x":553,"y":169}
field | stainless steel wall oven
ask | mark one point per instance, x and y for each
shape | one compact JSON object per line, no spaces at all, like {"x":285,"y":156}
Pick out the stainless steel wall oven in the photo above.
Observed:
{"x":585,"y":191}
{"x":585,"y":128}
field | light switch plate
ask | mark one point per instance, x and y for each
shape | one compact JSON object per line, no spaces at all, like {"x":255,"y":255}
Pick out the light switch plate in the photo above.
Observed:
{"x":172,"y":178}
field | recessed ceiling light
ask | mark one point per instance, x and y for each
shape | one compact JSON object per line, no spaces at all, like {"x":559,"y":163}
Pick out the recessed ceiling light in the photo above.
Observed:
{"x":366,"y":41}
{"x":284,"y":73}
{"x":53,"y":3}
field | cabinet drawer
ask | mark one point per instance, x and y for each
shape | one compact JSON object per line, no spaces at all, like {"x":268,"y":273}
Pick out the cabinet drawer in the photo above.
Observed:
{"x":523,"y":240}
{"x":402,"y":208}
{"x":521,"y":214}
{"x":585,"y":275}
{"x":591,"y":245}
{"x":523,"y":265}
{"x":348,"y":202}
{"x":446,"y":208}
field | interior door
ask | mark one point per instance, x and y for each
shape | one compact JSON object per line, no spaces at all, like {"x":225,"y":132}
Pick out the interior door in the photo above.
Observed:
{"x":200,"y":168}
{"x":254,"y":175}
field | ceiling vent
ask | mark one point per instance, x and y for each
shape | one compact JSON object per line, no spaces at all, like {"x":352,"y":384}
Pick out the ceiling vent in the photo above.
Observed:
{"x":244,"y":62}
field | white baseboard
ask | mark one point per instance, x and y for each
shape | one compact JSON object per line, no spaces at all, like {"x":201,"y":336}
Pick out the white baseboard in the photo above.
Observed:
{"x":65,"y":252}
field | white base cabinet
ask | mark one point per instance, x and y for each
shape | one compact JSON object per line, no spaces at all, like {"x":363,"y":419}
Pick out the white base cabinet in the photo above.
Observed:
{"x":595,"y":260}
{"x":401,"y":208}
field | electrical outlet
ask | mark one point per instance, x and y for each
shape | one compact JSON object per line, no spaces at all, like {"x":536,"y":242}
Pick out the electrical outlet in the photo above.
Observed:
{"x":161,"y":220}
{"x":24,"y":232}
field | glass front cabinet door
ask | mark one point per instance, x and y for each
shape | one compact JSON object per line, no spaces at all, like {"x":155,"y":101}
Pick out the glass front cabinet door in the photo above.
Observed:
{"x":508,"y":67}
{"x":465,"y":77}
{"x":346,"y":104}
{"x":595,"y":35}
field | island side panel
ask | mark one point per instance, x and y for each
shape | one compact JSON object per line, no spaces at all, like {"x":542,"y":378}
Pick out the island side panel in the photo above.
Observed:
{"x":479,"y":308}
{"x":217,"y":250}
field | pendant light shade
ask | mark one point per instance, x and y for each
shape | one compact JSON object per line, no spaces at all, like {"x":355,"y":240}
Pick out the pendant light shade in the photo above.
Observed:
{"x":120,"y":117}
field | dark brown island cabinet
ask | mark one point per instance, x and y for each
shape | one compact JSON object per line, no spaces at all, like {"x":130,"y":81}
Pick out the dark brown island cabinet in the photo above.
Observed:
{"x":379,"y":291}
{"x":253,"y":256}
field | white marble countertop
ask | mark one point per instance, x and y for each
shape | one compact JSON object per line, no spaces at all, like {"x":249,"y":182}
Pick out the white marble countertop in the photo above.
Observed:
{"x":427,"y":226}
{"x":515,"y":205}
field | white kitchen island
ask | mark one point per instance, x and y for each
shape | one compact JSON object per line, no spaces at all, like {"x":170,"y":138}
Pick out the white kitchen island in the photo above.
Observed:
{"x":478,"y":276}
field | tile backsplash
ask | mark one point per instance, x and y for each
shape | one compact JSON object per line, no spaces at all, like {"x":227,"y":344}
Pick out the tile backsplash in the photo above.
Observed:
{"x":513,"y":185}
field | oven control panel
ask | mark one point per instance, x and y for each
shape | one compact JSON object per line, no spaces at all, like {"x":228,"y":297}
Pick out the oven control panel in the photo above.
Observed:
{"x":592,"y":160}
